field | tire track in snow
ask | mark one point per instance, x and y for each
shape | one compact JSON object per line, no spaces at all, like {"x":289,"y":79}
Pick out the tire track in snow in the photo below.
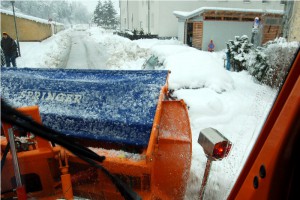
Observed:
{"x":86,"y":53}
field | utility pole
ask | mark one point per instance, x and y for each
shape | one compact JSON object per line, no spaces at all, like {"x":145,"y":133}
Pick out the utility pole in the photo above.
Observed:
{"x":12,"y":3}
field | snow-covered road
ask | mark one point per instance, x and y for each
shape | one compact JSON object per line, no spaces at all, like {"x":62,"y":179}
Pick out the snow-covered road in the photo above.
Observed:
{"x":85,"y":53}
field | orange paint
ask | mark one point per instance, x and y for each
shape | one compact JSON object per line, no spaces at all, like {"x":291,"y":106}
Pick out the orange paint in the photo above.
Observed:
{"x":274,"y":147}
{"x":160,"y":171}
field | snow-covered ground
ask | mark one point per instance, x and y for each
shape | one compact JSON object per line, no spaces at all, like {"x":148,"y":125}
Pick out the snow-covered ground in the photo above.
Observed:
{"x":234,"y":103}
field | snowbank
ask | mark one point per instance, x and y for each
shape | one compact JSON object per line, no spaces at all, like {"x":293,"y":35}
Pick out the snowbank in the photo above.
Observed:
{"x":149,"y":43}
{"x":121,"y":50}
{"x":50,"y":53}
{"x":239,"y":115}
{"x":198,"y":69}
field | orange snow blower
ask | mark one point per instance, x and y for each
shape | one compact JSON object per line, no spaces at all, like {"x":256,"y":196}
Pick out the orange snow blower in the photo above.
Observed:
{"x":92,"y":134}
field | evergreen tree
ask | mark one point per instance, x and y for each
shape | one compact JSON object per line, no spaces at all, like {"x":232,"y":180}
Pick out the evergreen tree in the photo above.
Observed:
{"x":257,"y":64}
{"x":239,"y":49}
{"x":105,"y":15}
{"x":97,"y":18}
{"x":111,"y":14}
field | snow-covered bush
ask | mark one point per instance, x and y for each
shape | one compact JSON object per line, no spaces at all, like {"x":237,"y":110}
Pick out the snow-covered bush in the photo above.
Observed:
{"x":257,"y":63}
{"x":270,"y":64}
{"x":239,"y":49}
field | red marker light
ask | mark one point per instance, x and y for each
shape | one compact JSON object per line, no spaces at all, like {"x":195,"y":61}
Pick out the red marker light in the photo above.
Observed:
{"x":221,"y":150}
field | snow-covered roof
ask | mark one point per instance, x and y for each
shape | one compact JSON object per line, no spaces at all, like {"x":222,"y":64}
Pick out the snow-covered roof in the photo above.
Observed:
{"x":24,"y":16}
{"x":188,"y":15}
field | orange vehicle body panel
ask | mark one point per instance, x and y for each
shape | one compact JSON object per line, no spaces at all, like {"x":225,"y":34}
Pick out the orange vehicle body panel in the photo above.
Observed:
{"x":173,"y":154}
{"x":160,"y":172}
{"x":273,"y":147}
{"x":36,"y":161}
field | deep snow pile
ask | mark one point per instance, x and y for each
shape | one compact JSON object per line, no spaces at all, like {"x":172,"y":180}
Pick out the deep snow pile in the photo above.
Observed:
{"x":191,"y":68}
{"x":50,"y":53}
{"x":122,"y":51}
{"x":231,"y":102}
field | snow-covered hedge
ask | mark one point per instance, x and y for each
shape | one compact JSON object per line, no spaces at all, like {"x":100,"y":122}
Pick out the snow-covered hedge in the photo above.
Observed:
{"x":270,"y":63}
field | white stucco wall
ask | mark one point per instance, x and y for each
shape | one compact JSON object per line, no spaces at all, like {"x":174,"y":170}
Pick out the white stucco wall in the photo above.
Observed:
{"x":128,"y":10}
{"x":294,"y":34}
{"x":221,"y":31}
{"x":122,"y":5}
{"x":168,"y":23}
{"x":133,"y":9}
{"x":180,"y":33}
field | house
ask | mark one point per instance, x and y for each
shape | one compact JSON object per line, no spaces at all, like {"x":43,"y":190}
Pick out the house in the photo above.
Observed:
{"x":29,"y":28}
{"x":199,"y":27}
{"x":156,"y":17}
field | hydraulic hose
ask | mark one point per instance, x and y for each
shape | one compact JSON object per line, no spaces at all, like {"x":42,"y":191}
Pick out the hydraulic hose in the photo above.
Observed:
{"x":12,"y":116}
{"x":6,"y":150}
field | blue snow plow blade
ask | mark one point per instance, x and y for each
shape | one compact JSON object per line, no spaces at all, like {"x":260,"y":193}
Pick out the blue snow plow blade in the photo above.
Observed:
{"x":101,"y":105}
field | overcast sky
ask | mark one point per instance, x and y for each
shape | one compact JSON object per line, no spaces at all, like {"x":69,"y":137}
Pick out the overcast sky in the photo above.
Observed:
{"x":91,"y":4}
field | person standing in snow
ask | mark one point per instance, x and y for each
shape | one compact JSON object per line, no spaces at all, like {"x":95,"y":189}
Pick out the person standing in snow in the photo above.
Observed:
{"x":9,"y":48}
{"x":211,"y":46}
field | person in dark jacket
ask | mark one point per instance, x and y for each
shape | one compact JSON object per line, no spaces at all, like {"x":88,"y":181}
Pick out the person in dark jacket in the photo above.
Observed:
{"x":9,"y":48}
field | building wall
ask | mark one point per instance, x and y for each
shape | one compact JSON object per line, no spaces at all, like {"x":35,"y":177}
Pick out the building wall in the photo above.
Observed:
{"x":28,"y":30}
{"x":211,"y":31}
{"x":130,"y":14}
{"x":142,"y":18}
{"x":181,"y":28}
{"x":155,"y":17}
{"x":294,"y":32}
{"x":165,"y":24}
{"x":123,"y":7}
{"x":133,"y":15}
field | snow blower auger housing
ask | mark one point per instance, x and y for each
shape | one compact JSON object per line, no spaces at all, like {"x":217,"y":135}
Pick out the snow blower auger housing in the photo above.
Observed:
{"x":125,"y":116}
